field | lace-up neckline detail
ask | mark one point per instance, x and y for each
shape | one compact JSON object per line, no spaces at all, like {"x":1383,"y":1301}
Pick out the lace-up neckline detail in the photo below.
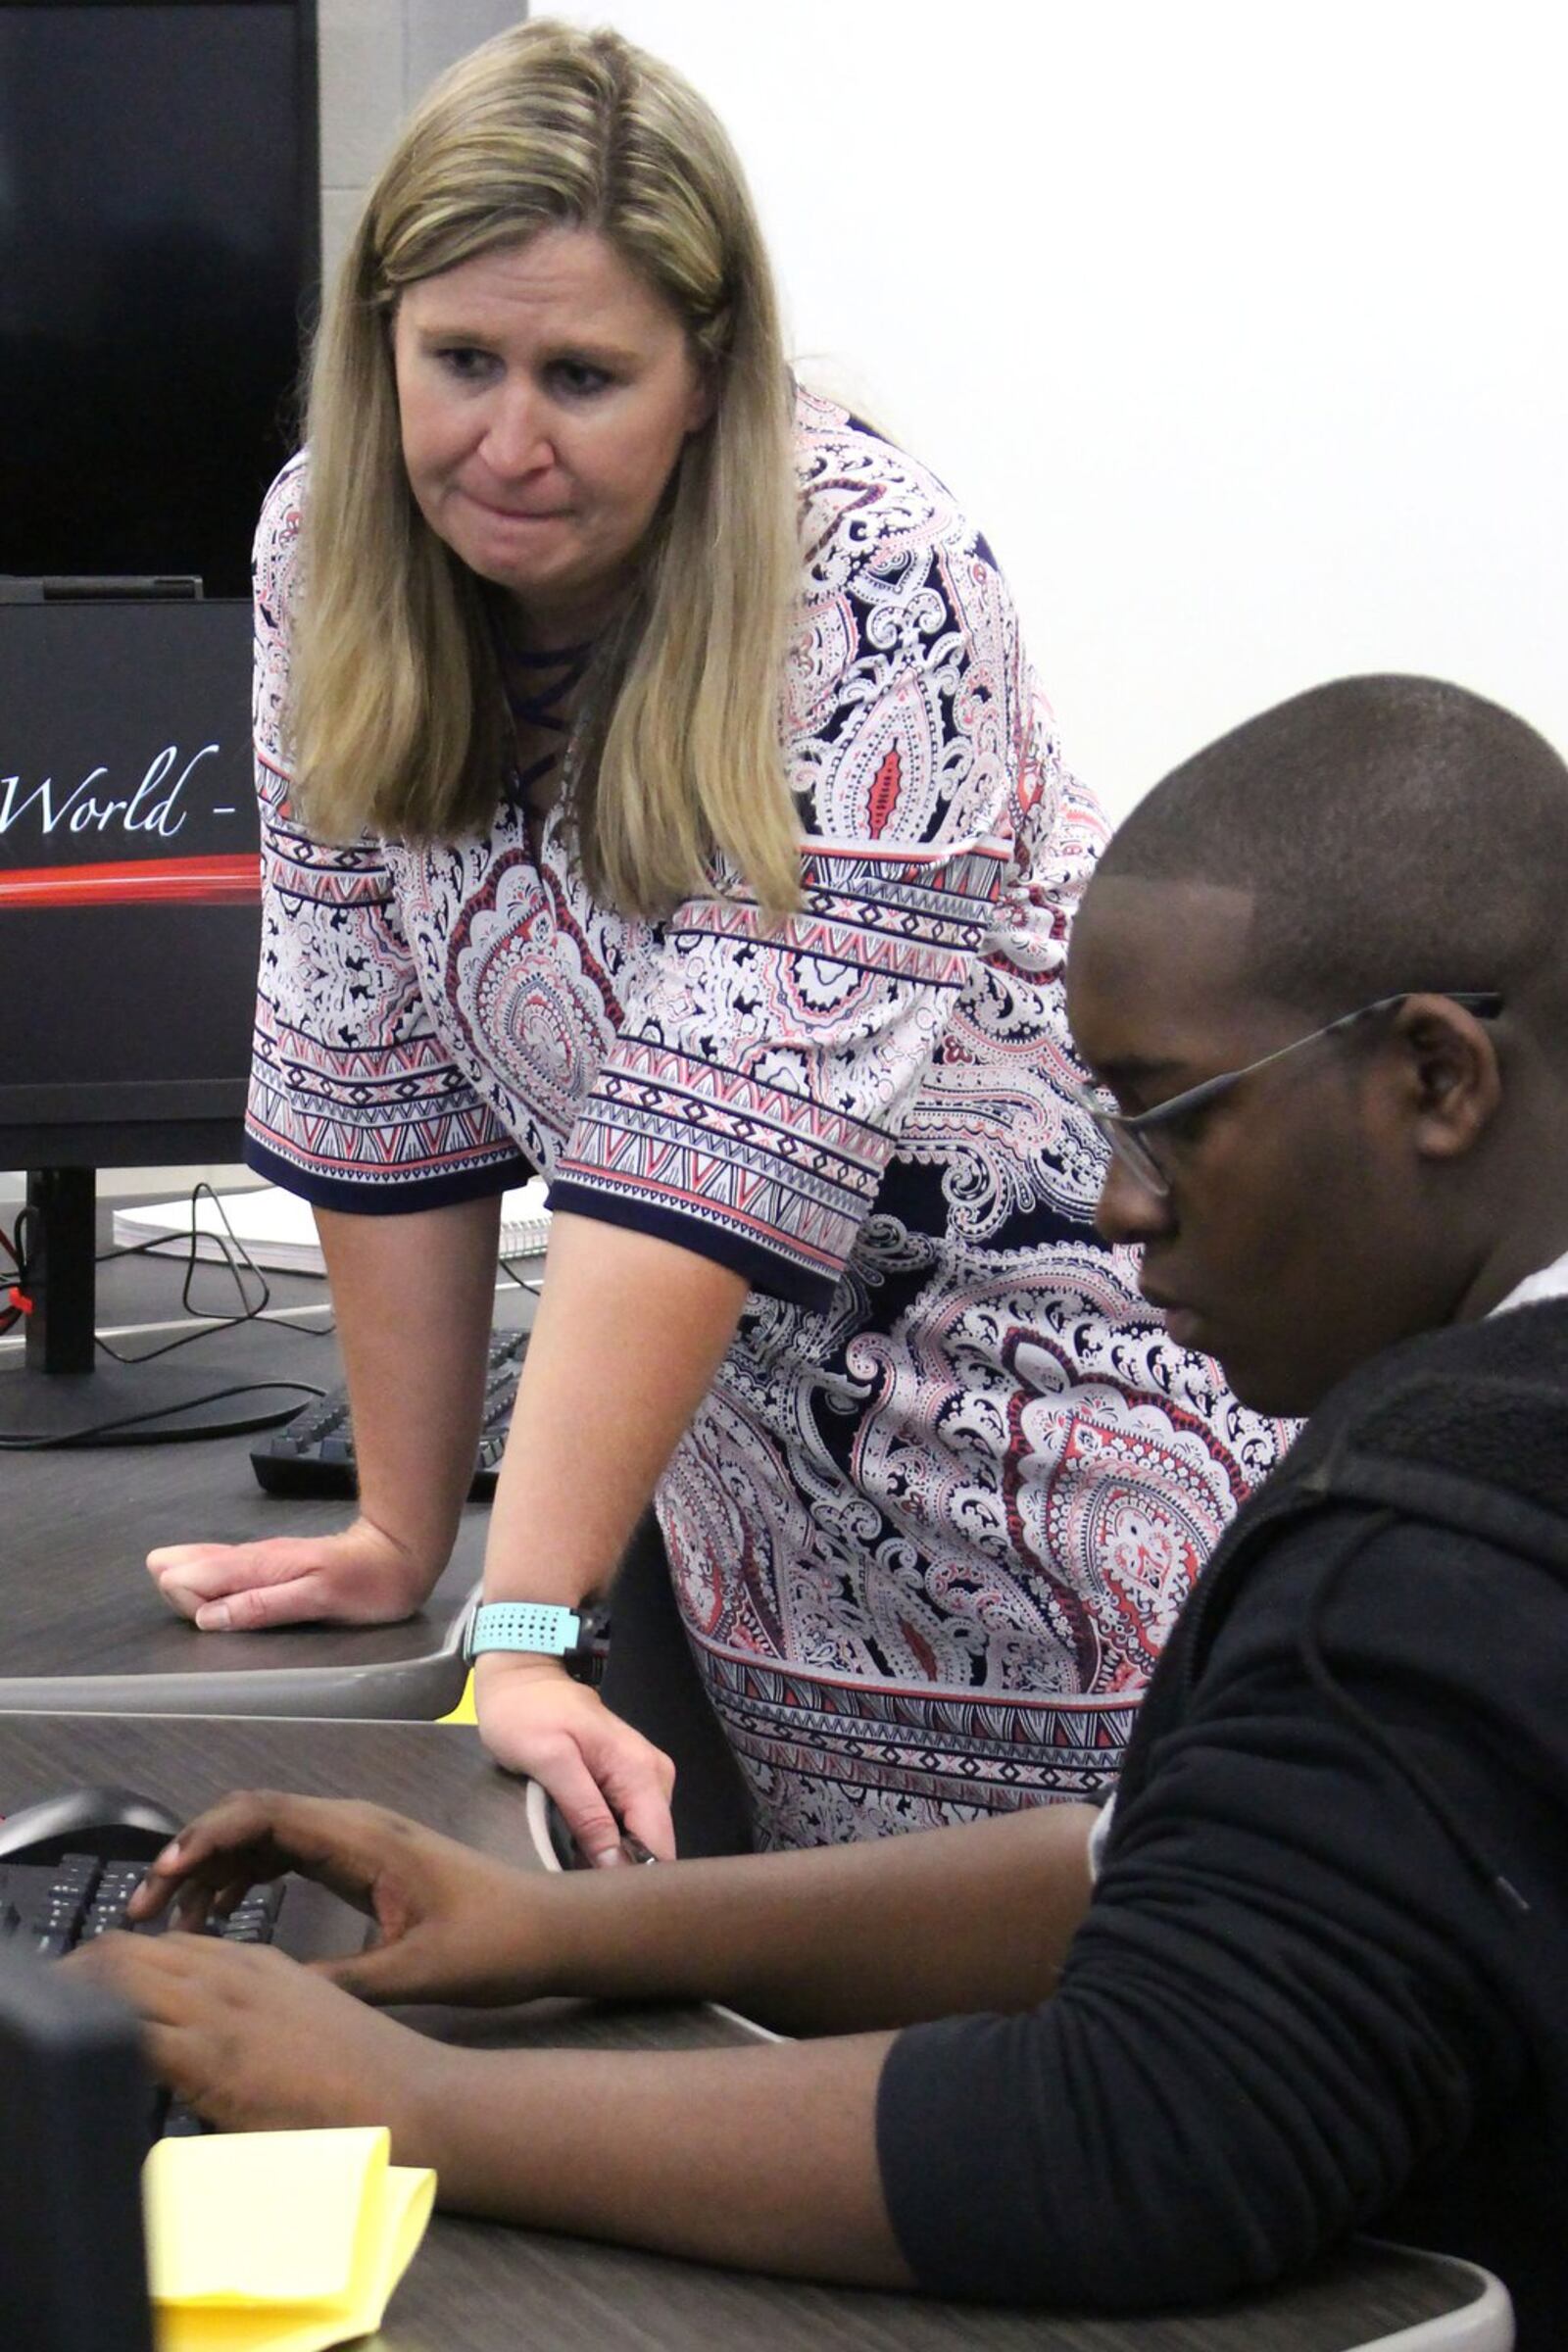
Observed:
{"x":536,"y":686}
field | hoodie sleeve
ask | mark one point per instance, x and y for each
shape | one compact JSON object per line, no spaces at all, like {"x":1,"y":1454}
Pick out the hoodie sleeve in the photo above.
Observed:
{"x":1282,"y":2004}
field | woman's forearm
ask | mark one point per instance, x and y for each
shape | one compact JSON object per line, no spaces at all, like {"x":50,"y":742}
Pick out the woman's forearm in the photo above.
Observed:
{"x":630,"y":1333}
{"x":764,"y":2159}
{"x":835,"y":1940}
{"x":414,"y":1298}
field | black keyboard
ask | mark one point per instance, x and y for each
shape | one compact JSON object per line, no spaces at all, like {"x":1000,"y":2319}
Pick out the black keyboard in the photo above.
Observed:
{"x":314,"y":1453}
{"x":49,"y":1908}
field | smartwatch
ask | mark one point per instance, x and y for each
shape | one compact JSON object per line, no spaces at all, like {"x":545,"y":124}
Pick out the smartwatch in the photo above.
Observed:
{"x":579,"y":1637}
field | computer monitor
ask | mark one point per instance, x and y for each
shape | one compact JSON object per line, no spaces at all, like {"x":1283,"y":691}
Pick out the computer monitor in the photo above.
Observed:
{"x":129,"y":922}
{"x":159,"y":255}
{"x":159,"y":248}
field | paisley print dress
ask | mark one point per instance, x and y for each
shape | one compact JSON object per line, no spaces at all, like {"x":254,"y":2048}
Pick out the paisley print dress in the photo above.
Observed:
{"x":945,"y":1499}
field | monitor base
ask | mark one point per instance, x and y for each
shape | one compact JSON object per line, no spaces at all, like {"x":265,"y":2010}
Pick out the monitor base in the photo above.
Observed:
{"x":138,"y":1404}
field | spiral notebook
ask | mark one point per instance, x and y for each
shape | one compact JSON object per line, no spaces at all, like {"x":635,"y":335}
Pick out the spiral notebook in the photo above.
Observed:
{"x":277,"y":1231}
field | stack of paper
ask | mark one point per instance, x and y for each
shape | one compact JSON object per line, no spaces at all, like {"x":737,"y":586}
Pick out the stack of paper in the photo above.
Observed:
{"x":277,"y":2241}
{"x":277,"y":1232}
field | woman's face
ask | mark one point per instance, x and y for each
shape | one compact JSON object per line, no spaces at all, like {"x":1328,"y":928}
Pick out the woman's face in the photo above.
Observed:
{"x":545,"y":392}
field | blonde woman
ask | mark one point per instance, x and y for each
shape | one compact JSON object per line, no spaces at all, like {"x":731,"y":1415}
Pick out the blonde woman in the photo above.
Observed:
{"x":658,"y":795}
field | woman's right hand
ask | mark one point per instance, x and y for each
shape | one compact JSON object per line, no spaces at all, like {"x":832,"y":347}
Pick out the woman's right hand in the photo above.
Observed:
{"x":455,"y":1925}
{"x":603,"y":1776}
{"x":359,"y":1576}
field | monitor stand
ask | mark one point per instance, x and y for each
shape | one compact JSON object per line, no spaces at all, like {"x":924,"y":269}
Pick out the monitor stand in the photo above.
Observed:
{"x":66,"y":1392}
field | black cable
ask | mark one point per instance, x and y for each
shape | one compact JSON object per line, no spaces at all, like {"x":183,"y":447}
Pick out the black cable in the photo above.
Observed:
{"x":234,"y":1257}
{"x":14,"y":1247}
{"x":158,"y":1412}
{"x":524,"y":1282}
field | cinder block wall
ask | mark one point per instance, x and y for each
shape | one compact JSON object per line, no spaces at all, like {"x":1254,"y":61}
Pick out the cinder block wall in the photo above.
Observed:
{"x":377,"y":57}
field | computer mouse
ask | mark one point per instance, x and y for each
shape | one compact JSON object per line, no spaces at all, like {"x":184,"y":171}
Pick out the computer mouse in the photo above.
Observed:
{"x":115,"y":1824}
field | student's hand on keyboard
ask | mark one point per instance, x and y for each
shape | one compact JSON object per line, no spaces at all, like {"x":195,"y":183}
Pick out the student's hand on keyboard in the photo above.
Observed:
{"x":254,"y":2043}
{"x":453,"y":1925}
{"x":359,"y":1576}
{"x":605,"y":1775}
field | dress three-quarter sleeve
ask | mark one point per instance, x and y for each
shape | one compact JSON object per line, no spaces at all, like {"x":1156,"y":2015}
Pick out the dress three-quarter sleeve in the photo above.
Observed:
{"x":355,"y":1100}
{"x":766,"y":1067}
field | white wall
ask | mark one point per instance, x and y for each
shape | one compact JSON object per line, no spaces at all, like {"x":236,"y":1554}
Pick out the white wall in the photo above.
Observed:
{"x":1240,"y":327}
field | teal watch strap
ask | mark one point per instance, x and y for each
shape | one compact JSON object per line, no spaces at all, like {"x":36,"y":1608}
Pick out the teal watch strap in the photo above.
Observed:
{"x":525,"y":1625}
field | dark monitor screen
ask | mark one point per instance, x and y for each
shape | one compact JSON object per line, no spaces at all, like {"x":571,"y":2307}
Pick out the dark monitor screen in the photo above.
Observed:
{"x":128,"y":881}
{"x":130,"y":927}
{"x":158,"y":255}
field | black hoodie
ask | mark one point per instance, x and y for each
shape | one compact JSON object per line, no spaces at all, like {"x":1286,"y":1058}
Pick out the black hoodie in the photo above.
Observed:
{"x":1323,"y":1980}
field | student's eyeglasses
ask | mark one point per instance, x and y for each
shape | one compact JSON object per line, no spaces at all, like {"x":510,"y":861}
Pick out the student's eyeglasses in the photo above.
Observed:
{"x":1128,"y":1133}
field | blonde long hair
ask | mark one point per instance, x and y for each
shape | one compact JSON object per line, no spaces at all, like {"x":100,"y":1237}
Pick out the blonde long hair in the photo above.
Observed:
{"x":398,"y":717}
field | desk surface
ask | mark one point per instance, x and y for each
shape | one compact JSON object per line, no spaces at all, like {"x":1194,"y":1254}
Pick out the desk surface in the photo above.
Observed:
{"x":478,"y":2288}
{"x":80,"y":1611}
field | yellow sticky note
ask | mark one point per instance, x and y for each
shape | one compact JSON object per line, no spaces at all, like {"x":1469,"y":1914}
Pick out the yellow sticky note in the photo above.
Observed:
{"x":277,"y":2241}
{"x":464,"y":1712}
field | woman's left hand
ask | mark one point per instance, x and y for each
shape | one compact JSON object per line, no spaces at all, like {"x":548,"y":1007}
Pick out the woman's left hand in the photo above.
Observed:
{"x":601,"y":1771}
{"x":255,"y":2042}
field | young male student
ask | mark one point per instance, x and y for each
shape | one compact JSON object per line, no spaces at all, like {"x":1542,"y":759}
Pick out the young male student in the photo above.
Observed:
{"x":1321,"y":1980}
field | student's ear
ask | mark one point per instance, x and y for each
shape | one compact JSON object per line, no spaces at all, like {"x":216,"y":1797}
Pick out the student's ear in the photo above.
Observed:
{"x":1453,"y":1076}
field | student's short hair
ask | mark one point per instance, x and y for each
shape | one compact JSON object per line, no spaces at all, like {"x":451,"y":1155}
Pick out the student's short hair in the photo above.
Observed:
{"x":1397,"y":832}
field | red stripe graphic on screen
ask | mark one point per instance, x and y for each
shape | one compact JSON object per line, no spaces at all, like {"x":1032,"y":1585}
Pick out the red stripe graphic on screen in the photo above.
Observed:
{"x":228,"y":881}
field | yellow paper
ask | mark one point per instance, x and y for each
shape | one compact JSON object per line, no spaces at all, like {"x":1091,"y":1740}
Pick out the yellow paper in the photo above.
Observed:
{"x":277,"y":2241}
{"x":464,"y":1712}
